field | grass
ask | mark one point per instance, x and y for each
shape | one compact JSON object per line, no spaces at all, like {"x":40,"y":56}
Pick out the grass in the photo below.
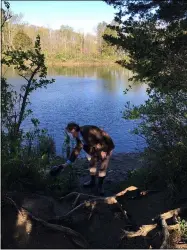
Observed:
{"x":183,"y":229}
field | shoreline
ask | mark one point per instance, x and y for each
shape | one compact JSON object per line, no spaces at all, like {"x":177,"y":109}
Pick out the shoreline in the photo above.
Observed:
{"x":81,"y":63}
{"x":120,"y":165}
{"x":114,"y":155}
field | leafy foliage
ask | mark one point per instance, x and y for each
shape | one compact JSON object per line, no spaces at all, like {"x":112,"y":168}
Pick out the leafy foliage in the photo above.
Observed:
{"x":28,"y":64}
{"x":183,"y":229}
{"x":22,"y":41}
{"x":24,"y":155}
{"x":164,"y":128}
{"x":153,"y":34}
{"x":155,"y":42}
{"x":5,"y":14}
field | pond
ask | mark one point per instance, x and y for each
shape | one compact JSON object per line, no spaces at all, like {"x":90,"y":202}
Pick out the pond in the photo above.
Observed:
{"x":87,"y":95}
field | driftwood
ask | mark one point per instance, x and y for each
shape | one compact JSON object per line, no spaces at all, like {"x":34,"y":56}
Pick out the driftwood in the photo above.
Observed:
{"x":76,"y":237}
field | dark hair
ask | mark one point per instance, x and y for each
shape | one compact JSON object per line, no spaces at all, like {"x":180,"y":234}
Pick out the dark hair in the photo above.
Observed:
{"x":73,"y":125}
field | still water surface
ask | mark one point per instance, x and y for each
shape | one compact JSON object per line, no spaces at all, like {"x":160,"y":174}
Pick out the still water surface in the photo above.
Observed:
{"x":86,"y":95}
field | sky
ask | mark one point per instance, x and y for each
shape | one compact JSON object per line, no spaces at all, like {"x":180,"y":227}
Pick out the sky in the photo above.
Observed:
{"x":81,"y":15}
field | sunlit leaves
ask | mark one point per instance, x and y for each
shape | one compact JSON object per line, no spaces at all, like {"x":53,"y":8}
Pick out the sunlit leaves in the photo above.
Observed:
{"x":155,"y":42}
{"x":22,"y":41}
{"x":29,"y":64}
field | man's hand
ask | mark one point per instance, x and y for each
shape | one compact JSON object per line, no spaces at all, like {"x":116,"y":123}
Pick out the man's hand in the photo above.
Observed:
{"x":56,"y":170}
{"x":98,"y":146}
{"x":63,"y":165}
{"x":103,"y":155}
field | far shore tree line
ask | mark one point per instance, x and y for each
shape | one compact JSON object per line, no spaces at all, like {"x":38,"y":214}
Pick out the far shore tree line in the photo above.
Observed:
{"x":60,"y":45}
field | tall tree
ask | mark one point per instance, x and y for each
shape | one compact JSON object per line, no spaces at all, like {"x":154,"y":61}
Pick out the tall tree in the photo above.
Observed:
{"x":100,"y":31}
{"x":148,"y":29}
{"x":29,"y":63}
{"x":154,"y":34}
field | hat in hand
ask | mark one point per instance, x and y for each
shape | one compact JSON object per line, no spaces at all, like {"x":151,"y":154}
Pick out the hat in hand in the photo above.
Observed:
{"x":55,"y":170}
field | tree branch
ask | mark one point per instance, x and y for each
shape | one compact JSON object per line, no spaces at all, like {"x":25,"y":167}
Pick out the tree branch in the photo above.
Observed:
{"x":25,"y":98}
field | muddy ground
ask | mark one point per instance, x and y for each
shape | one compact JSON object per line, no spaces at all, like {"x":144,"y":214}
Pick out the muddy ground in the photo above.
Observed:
{"x":119,"y":166}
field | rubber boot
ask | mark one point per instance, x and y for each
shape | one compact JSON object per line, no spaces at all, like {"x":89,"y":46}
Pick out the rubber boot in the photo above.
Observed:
{"x":91,"y":182}
{"x":100,"y":188}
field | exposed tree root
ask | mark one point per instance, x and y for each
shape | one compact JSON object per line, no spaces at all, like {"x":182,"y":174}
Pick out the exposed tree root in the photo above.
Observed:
{"x":77,"y":238}
{"x":83,"y":197}
{"x":148,"y":192}
{"x":160,"y":224}
{"x":76,"y":201}
{"x":74,"y":195}
{"x":139,"y":194}
{"x":165,"y":233}
{"x":173,"y":213}
{"x":143,"y":231}
{"x":122,"y":193}
{"x":161,"y":220}
{"x":90,"y":200}
{"x":91,"y":204}
{"x":15,"y":205}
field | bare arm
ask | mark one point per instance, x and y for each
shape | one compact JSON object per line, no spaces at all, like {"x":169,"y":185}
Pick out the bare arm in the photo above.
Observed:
{"x":75,"y":152}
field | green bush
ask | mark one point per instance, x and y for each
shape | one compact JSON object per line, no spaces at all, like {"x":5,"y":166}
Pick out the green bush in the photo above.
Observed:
{"x":183,"y":229}
{"x":61,"y":57}
{"x":164,"y":127}
{"x":34,"y":177}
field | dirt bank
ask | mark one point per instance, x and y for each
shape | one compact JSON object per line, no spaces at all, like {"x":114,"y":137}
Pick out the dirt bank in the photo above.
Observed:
{"x":81,"y":220}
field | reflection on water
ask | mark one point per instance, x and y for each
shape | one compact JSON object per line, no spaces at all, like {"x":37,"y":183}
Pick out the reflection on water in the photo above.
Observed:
{"x":106,"y":72}
{"x":87,"y":95}
{"x":111,"y":75}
